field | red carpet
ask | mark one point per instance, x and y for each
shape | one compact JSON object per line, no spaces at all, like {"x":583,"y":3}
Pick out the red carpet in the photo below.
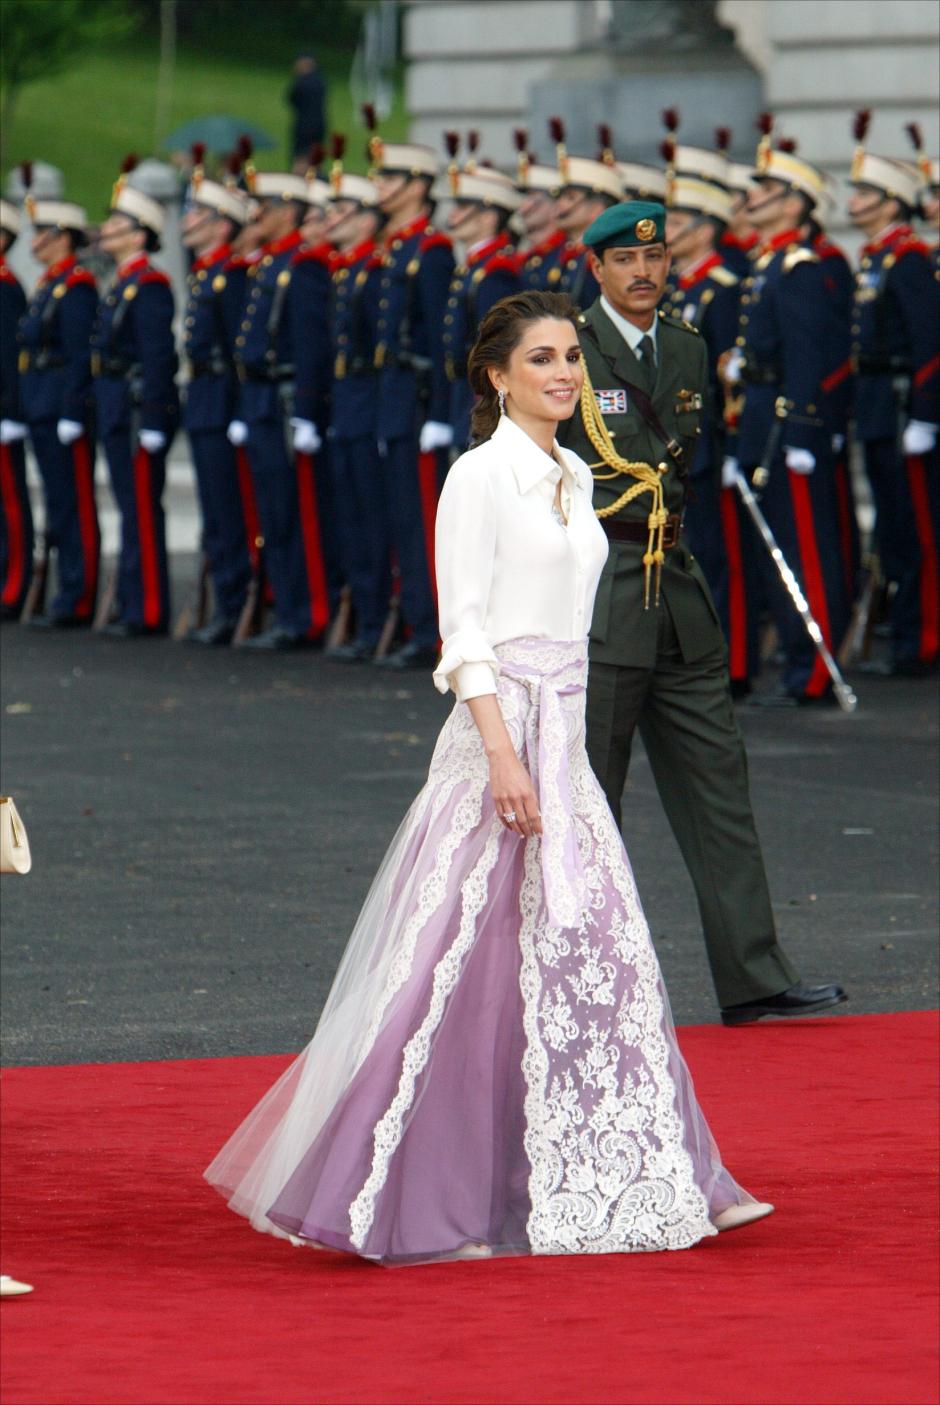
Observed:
{"x":150,"y":1290}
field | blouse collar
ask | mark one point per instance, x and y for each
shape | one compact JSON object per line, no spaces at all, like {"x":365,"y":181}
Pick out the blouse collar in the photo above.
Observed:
{"x":529,"y":463}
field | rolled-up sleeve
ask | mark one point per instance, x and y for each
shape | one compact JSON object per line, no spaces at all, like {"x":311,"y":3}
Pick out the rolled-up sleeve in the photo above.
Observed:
{"x":465,"y":550}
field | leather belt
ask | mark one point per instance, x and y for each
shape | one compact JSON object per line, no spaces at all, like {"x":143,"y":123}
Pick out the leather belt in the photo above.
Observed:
{"x":266,"y":375}
{"x":639,"y":532}
{"x":198,"y":370}
{"x":752,"y":374}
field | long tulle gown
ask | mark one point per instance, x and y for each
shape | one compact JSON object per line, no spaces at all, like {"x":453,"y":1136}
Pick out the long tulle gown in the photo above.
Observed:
{"x":496,"y":1065}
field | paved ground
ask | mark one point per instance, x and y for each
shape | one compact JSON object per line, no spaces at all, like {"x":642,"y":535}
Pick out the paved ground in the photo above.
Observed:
{"x":205,"y":826}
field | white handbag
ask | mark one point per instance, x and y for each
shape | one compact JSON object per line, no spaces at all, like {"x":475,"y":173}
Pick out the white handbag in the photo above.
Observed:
{"x":14,"y":845}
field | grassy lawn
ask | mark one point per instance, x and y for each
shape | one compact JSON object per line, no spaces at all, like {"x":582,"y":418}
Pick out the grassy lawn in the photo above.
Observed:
{"x":86,"y":120}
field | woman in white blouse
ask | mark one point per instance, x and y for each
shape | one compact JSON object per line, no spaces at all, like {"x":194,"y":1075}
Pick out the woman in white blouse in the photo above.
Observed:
{"x":496,"y":1070}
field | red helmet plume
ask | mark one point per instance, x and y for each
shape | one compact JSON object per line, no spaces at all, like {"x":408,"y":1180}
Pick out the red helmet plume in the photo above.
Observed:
{"x":670,"y":116}
{"x":861,"y":124}
{"x":722,"y":138}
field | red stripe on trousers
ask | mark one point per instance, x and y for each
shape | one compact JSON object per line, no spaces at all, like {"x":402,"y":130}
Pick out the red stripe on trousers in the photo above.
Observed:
{"x":737,"y":597}
{"x":926,"y":371}
{"x":16,"y":540}
{"x":927,"y":576}
{"x":246,"y":490}
{"x":146,"y":535}
{"x":845,"y":509}
{"x":84,"y":472}
{"x":427,"y":487}
{"x":819,"y":679}
{"x":313,"y":545}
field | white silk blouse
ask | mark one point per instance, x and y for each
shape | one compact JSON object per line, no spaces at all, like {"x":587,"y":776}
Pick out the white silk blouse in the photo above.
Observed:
{"x":507,"y":568}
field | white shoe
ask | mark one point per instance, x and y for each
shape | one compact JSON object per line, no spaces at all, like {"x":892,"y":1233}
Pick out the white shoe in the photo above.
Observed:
{"x":737,"y":1216}
{"x":9,"y":1288}
{"x":475,"y":1251}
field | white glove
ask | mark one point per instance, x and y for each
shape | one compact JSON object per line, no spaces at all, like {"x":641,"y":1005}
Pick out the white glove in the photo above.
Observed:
{"x":152,"y":440}
{"x":838,"y":443}
{"x":800,"y":461}
{"x":435,"y":435}
{"x":729,"y":471}
{"x":11,"y":430}
{"x":306,"y":438}
{"x":919,"y":437}
{"x":237,"y":433}
{"x":67,"y":431}
{"x":732,"y":367}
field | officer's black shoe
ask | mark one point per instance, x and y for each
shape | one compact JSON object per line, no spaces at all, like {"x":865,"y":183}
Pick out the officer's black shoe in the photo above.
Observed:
{"x":58,"y":622}
{"x":355,"y":651}
{"x":740,"y":688}
{"x":127,"y":629}
{"x":216,"y":632}
{"x":798,"y":1000}
{"x":276,"y":640}
{"x":10,"y":613}
{"x":410,"y":655}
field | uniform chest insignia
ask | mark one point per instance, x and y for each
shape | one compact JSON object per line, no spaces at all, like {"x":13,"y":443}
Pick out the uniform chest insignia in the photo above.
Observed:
{"x":688,"y":400}
{"x":612,"y":402}
{"x":554,"y":275}
{"x":283,"y":278}
{"x":218,"y":283}
{"x":59,"y":291}
{"x":688,"y":312}
{"x":130,"y":292}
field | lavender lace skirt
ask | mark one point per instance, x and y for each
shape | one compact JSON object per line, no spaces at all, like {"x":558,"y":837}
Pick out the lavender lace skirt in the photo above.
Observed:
{"x":496,"y":1063}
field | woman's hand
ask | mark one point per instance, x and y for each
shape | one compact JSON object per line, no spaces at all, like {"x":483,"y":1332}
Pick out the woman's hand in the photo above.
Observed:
{"x":514,"y":794}
{"x":510,"y":783}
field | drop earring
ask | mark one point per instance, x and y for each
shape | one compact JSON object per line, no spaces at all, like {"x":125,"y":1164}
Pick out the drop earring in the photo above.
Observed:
{"x":501,"y":397}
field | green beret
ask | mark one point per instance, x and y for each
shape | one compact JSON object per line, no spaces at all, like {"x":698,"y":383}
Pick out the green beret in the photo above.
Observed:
{"x":633,"y":224}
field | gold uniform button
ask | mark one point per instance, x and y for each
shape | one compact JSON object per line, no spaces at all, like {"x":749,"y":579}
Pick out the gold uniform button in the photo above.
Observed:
{"x":743,"y":319}
{"x":239,"y":341}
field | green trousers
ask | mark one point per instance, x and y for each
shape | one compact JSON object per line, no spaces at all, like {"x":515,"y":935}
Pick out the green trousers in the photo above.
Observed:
{"x":696,"y":751}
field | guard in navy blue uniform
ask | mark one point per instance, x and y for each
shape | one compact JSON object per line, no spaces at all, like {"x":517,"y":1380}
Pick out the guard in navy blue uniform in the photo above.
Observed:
{"x":214,"y":216}
{"x":281,"y":408}
{"x":413,"y":401}
{"x":359,"y":496}
{"x":588,"y":188}
{"x":543,"y":242}
{"x":484,"y":200}
{"x":838,"y":384}
{"x":58,"y":401}
{"x":16,"y":517}
{"x":137,"y":407}
{"x":705,"y":295}
{"x":780,"y":359}
{"x":896,"y":353}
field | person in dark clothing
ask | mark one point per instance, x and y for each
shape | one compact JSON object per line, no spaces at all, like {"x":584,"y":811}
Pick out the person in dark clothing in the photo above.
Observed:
{"x":307,"y":96}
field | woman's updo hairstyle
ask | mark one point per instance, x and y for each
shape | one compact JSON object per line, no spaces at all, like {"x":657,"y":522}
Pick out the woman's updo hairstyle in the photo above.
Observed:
{"x":500,"y":332}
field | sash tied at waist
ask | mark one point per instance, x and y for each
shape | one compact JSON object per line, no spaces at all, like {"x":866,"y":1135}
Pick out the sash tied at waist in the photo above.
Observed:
{"x":550,"y":670}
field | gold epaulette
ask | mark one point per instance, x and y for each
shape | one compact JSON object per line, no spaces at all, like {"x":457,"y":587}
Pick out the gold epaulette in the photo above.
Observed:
{"x":796,"y":256}
{"x":679,"y":322}
{"x":724,"y":276}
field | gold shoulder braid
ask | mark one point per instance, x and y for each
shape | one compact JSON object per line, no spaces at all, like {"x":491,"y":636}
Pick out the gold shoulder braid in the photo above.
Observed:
{"x":648,"y":480}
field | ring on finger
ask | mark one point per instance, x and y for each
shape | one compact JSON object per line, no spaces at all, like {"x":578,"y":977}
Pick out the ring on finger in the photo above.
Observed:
{"x":509,"y":817}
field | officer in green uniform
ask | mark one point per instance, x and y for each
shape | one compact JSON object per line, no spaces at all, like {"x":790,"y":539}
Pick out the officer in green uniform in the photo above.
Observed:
{"x":657,"y":656}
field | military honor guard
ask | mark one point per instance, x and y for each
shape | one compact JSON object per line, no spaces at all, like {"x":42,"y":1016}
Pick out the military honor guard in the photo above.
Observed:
{"x":361,"y":520}
{"x":778,"y":364}
{"x":136,"y":406}
{"x":413,"y":398}
{"x":705,"y":295}
{"x":587,"y":188}
{"x":542,"y":245}
{"x":740,"y":239}
{"x":483,"y":203}
{"x":56,"y":389}
{"x":214,"y":216}
{"x":837,"y":387}
{"x":897,"y":403}
{"x":658,"y":660}
{"x":16,"y":516}
{"x":277,"y":405}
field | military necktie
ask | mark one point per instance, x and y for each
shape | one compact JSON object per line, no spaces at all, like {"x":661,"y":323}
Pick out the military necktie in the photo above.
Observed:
{"x":646,"y":352}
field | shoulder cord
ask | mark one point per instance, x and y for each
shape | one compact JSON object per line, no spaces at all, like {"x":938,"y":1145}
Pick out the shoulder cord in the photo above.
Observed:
{"x":649,"y":480}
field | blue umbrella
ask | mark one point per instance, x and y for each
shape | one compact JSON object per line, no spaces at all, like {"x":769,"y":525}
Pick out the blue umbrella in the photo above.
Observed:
{"x":219,"y":132}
